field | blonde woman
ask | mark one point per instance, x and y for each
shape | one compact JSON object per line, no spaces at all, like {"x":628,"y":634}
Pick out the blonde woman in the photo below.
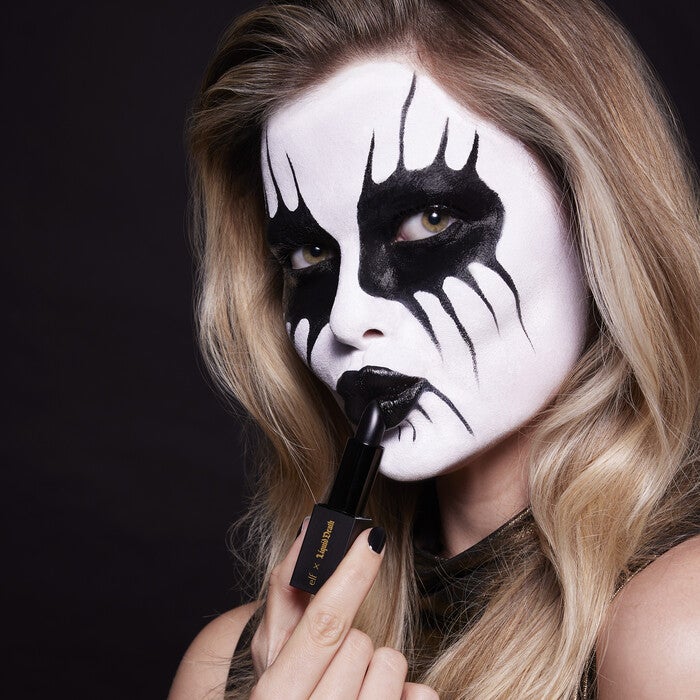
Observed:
{"x":479,"y":214}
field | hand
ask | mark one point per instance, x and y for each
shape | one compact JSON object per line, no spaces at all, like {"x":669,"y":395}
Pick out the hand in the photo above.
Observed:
{"x":306,"y":648}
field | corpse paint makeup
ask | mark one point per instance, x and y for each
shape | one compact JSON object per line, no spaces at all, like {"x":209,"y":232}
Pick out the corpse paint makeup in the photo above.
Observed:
{"x":480,"y":318}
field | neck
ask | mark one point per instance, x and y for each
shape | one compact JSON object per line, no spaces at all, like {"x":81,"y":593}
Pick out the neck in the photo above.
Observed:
{"x":483,"y":494}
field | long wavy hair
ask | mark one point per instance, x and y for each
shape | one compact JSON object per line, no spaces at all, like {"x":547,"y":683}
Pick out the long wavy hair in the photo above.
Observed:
{"x":614,"y":469}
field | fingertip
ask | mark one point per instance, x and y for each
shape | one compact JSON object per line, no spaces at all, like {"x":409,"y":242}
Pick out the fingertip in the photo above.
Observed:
{"x":302,"y":528}
{"x":417,"y":691}
{"x":294,"y":550}
{"x":376,"y":539}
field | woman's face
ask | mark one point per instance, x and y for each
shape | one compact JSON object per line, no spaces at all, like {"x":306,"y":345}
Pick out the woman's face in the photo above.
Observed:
{"x":427,"y":263}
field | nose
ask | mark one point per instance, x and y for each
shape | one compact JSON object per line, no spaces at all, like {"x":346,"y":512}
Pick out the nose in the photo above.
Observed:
{"x":358,"y":318}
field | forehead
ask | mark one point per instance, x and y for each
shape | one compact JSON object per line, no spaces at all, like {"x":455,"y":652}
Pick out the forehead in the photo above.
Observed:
{"x":326,"y":135}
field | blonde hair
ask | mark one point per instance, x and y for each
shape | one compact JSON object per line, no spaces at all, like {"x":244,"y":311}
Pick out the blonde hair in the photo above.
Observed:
{"x":614,"y":470}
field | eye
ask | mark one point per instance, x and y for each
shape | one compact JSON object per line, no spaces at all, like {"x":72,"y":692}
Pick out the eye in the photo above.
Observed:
{"x":308,"y":255}
{"x":429,"y":222}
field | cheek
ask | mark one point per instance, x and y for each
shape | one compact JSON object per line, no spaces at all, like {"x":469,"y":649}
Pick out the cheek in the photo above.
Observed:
{"x":550,"y":277}
{"x":325,"y":356}
{"x":308,"y":303}
{"x":298,"y":333}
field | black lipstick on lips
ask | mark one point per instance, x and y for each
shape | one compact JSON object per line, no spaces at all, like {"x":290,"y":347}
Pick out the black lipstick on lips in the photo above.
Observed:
{"x":397,"y":394}
{"x":335,"y":525}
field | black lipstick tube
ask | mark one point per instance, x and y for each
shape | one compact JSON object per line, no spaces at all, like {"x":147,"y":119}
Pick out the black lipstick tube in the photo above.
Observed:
{"x":335,"y":525}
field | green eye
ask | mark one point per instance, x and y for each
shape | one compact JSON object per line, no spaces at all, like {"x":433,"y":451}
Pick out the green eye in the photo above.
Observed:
{"x":308,"y":255}
{"x":429,"y":222}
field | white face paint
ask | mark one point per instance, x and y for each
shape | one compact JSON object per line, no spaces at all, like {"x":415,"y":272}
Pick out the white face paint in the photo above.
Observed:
{"x":419,"y":239}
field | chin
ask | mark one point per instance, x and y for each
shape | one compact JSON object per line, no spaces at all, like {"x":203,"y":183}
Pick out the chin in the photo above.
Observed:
{"x":408,"y":460}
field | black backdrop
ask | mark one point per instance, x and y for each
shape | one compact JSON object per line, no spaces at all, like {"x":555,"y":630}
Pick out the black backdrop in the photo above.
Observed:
{"x":121,"y":470}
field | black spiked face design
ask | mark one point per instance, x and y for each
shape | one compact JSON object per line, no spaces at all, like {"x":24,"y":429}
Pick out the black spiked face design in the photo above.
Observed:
{"x":398,"y":269}
{"x":309,"y":292}
{"x":390,"y":268}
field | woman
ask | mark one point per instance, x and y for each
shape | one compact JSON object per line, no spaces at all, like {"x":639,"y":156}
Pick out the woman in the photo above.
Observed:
{"x":483,"y":206}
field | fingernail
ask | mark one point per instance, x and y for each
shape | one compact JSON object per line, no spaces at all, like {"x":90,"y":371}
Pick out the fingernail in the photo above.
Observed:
{"x":301,"y":527}
{"x":376,"y":539}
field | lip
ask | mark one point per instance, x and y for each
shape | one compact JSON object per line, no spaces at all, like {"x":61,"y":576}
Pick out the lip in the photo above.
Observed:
{"x":396,"y":393}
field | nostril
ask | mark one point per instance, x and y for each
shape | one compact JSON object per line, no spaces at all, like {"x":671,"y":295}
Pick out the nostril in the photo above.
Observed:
{"x":372,"y":333}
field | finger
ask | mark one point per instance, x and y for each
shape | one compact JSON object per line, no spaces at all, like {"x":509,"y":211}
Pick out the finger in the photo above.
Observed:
{"x":343,"y":678}
{"x":284,"y":607}
{"x":385,"y":676}
{"x":326,"y":621}
{"x":418,"y":691}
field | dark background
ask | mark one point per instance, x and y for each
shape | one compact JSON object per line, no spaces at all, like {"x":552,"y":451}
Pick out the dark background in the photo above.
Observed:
{"x":122,"y":472}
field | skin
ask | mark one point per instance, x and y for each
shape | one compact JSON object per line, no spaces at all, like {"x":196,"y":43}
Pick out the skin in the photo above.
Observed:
{"x":306,"y":647}
{"x":650,"y":645}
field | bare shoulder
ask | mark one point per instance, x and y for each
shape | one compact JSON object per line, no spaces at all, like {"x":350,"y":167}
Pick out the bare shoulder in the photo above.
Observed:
{"x":650,"y":645}
{"x":204,"y":667}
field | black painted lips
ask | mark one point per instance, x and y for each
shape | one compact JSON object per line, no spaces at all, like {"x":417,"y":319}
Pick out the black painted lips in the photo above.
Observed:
{"x":397,"y":393}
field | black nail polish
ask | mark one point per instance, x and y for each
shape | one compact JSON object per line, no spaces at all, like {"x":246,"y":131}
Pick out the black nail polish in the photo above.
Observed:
{"x":377,"y":539}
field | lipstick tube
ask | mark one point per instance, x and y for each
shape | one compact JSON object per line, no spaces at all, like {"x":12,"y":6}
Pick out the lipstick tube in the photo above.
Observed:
{"x":335,"y":525}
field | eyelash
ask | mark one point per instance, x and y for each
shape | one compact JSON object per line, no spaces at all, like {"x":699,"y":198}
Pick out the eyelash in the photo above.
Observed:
{"x":413,"y":211}
{"x":283,"y":252}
